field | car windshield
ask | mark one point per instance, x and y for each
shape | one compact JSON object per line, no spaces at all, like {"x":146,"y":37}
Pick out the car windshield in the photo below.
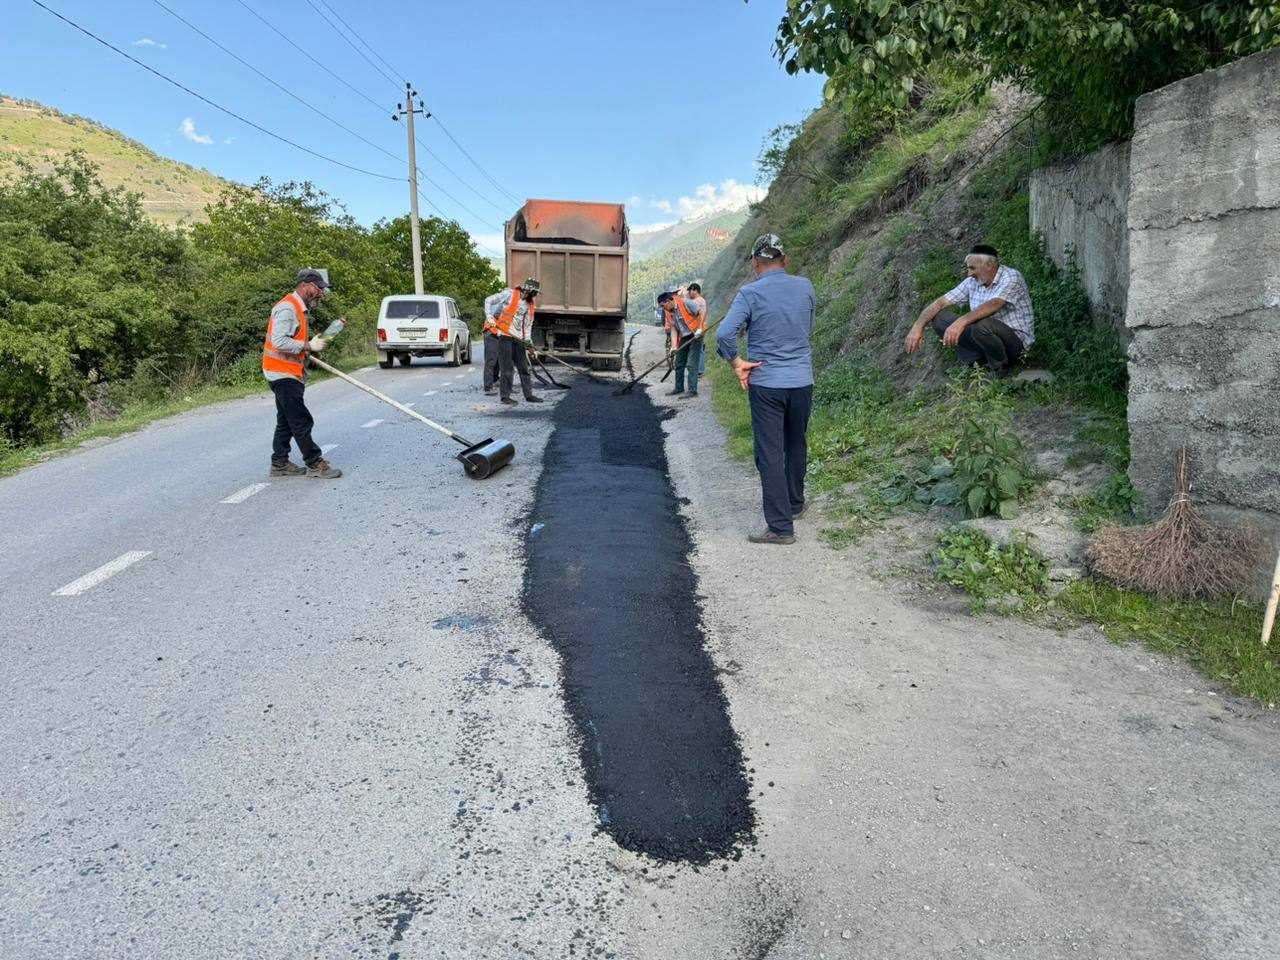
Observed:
{"x":413,"y":310}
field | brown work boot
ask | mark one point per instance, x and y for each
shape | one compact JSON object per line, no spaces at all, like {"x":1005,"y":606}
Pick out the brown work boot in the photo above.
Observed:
{"x":322,"y":471}
{"x":289,"y":469}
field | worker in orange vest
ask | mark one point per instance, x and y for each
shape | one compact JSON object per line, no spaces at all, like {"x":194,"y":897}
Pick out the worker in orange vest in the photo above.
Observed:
{"x":687,"y":327}
{"x":508,"y":325}
{"x":284,"y":363}
{"x":695,"y":293}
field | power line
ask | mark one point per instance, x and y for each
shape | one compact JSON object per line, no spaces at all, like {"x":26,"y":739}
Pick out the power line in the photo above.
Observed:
{"x":465,"y":208}
{"x":370,"y":46}
{"x":393,"y":80}
{"x":204,"y":99}
{"x":474,"y":161}
{"x":287,"y":39}
{"x":445,"y":216}
{"x":374,"y":103}
{"x":278,"y":86}
{"x":436,"y":157}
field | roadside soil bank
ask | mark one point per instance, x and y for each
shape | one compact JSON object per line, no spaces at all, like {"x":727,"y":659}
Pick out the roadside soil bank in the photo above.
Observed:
{"x":928,"y":783}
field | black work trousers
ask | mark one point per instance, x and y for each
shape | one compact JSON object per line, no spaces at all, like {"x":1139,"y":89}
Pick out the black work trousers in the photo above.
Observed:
{"x":490,"y":360}
{"x":779,"y":423}
{"x":293,"y":422}
{"x":986,"y":341}
{"x":512,"y":357}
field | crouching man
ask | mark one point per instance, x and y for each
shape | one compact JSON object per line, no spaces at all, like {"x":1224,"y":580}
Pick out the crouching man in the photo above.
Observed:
{"x":1000,"y":325}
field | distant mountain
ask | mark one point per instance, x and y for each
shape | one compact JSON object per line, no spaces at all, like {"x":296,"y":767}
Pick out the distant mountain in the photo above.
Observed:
{"x":646,"y":243}
{"x":681,"y":259}
{"x":172,"y":192}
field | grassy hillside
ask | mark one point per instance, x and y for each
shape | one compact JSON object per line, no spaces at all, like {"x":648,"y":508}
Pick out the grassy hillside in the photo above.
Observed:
{"x":172,"y":192}
{"x":685,"y":258}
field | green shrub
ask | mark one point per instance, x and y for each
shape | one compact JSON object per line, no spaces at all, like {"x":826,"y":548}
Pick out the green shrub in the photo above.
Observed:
{"x":990,"y":463}
{"x":1006,"y":578}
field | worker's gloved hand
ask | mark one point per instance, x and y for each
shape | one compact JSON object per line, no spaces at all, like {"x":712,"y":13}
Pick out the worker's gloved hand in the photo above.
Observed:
{"x":317,"y":344}
{"x":528,"y":344}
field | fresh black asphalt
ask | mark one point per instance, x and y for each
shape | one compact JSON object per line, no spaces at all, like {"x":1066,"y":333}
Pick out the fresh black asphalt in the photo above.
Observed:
{"x":609,"y":584}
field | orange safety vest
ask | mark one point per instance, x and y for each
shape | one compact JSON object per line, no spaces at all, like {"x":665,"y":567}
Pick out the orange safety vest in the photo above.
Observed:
{"x":273,"y":360}
{"x":692,"y":323}
{"x":667,"y":322}
{"x":501,"y":324}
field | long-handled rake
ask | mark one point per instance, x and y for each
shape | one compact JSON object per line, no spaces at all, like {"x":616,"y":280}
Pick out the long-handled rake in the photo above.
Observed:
{"x":665,"y":359}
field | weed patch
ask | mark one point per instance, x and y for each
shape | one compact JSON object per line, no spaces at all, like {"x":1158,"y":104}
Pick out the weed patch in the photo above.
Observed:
{"x":1006,"y":579}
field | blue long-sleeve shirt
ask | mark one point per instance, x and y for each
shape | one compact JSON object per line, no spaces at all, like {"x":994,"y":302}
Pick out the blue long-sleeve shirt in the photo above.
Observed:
{"x":776,"y":311}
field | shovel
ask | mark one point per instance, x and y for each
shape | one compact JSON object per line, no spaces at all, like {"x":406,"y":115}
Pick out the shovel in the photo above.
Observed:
{"x":480,"y":460}
{"x":665,"y":359}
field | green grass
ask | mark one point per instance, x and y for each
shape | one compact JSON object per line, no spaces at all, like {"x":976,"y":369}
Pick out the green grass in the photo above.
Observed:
{"x":1223,"y":639}
{"x":1005,"y":578}
{"x":138,"y":414}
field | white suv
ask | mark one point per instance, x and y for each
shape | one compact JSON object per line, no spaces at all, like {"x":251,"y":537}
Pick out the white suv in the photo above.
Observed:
{"x":427,"y":326}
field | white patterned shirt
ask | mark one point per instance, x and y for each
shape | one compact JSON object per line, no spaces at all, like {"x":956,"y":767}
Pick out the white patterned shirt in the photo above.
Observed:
{"x":1010,"y":287}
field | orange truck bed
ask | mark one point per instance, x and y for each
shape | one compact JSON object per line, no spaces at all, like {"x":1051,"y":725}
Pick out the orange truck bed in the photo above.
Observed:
{"x":579,"y":253}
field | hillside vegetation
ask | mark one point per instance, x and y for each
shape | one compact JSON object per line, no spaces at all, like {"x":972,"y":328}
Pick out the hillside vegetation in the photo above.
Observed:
{"x":685,"y":258}
{"x":102,"y":309}
{"x":988,"y":485}
{"x":171,"y":192}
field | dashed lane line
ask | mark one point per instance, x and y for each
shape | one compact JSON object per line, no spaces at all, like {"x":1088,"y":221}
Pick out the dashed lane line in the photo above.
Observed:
{"x":409,"y":405}
{"x":240,"y":496}
{"x":95,"y":577}
{"x":371,"y":423}
{"x":431,"y":393}
{"x":329,"y":446}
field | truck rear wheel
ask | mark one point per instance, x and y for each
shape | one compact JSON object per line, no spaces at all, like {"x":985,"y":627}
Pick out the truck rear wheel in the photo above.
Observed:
{"x":454,"y":356}
{"x":386,"y":360}
{"x":466,"y":356}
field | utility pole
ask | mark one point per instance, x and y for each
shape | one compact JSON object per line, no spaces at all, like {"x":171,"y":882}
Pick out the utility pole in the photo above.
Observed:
{"x":408,"y":109}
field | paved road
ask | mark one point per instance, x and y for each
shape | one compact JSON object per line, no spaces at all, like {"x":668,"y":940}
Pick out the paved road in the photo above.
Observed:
{"x":317,"y":721}
{"x":309,"y":722}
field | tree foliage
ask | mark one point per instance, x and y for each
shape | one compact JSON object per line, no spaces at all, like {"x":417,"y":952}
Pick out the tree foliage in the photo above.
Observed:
{"x":92,"y":293}
{"x":1093,"y":57}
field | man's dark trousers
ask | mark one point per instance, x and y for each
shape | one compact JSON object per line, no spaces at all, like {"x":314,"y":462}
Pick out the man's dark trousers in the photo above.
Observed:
{"x":986,"y":341}
{"x":293,"y":421}
{"x":490,"y":360}
{"x":779,"y":421}
{"x":511,"y":353}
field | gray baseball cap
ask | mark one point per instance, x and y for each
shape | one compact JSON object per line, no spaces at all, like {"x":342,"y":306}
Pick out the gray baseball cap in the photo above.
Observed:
{"x":319,"y":278}
{"x":768,"y":246}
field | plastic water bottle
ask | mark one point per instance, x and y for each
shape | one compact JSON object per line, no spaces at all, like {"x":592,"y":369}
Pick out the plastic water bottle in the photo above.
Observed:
{"x":335,"y":328}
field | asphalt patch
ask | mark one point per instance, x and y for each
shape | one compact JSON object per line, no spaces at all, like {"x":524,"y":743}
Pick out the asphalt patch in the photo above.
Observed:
{"x":608,"y":583}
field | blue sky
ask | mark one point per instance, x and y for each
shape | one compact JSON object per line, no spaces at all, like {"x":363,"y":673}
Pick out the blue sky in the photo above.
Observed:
{"x":662,"y":105}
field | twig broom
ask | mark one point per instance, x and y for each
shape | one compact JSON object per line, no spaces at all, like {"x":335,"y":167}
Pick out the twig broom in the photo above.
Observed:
{"x":1180,"y":555}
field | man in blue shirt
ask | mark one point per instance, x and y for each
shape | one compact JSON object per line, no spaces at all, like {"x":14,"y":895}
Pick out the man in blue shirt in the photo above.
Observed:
{"x":776,"y":312}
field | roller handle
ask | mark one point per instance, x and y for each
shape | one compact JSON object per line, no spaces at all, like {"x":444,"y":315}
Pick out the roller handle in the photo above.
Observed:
{"x":1270,"y":618}
{"x":385,"y":399}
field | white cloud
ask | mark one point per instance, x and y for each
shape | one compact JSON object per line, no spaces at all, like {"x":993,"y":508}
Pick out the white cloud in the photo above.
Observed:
{"x":148,"y":42}
{"x":229,"y":141}
{"x":188,"y":130}
{"x":709,"y":199}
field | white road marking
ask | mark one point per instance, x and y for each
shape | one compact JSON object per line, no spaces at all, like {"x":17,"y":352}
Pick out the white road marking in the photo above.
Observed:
{"x":364,"y":369}
{"x":409,"y":405}
{"x":91,"y":580}
{"x":240,"y":496}
{"x":371,"y":423}
{"x":329,"y":446}
{"x":431,"y":393}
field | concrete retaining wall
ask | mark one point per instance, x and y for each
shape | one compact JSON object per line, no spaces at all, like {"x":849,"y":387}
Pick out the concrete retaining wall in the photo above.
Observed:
{"x":1204,"y":289}
{"x":1079,"y":207}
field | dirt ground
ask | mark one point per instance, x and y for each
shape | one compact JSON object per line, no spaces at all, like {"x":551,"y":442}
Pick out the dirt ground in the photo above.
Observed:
{"x":932,"y":784}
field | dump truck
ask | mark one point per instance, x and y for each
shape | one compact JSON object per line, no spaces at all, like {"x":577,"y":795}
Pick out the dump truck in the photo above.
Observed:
{"x":578,"y":252}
